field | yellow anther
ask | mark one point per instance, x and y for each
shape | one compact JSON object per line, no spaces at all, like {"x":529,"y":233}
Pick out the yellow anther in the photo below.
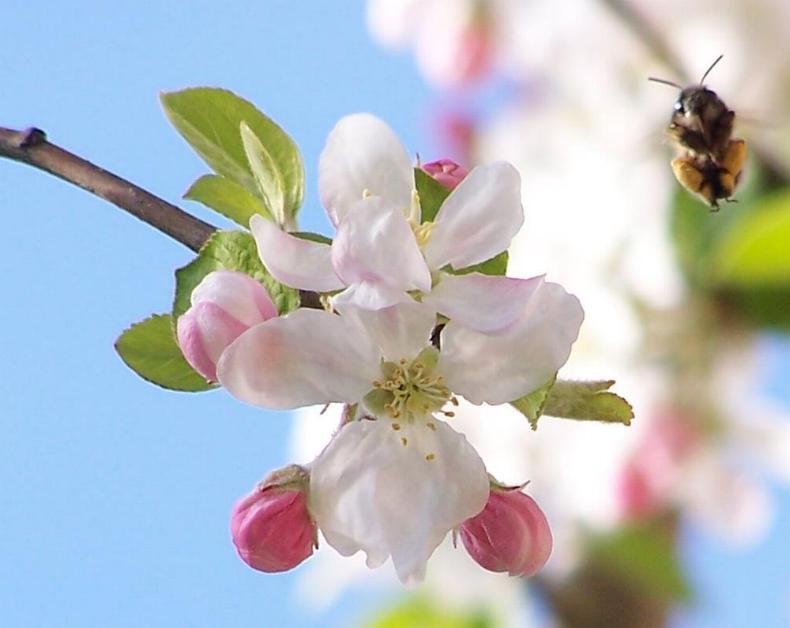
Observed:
{"x":430,"y":457}
{"x":404,"y":441}
{"x":449,"y":414}
{"x":431,"y":425}
{"x":366,"y":193}
{"x":396,"y":426}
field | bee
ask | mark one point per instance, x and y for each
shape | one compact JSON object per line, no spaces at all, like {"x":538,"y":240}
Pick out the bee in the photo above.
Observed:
{"x":709,"y":160}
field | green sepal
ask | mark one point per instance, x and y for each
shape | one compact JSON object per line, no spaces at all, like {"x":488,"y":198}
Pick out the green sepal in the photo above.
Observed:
{"x":150,"y":349}
{"x":587,"y":401}
{"x":230,"y":250}
{"x":227,"y":198}
{"x":496,"y":265}
{"x":533,"y":404}
{"x":432,"y":194}
{"x":210,"y":120}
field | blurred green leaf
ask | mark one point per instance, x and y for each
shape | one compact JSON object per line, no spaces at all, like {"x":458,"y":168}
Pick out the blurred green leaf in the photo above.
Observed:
{"x":418,"y":611}
{"x":230,"y":250}
{"x":587,"y":401}
{"x":150,"y":349}
{"x":755,"y":251}
{"x":226,"y":197}
{"x":533,"y":404}
{"x":210,"y":120}
{"x":645,"y":556}
{"x":431,"y":192}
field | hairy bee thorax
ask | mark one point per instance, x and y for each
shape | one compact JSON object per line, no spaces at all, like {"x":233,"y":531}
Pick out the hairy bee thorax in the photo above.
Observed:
{"x":708,"y":162}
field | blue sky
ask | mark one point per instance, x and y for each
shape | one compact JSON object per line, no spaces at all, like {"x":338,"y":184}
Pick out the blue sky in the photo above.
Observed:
{"x":115,"y":495}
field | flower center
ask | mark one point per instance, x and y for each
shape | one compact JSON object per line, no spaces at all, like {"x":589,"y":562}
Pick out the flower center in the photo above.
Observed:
{"x":409,"y":390}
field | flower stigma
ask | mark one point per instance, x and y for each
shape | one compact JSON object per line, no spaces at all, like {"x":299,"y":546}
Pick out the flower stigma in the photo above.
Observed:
{"x":410,"y":390}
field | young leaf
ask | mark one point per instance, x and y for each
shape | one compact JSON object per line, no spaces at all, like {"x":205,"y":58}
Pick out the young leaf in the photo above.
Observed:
{"x":587,"y":401}
{"x":226,"y":197}
{"x":431,"y":192}
{"x":533,"y":404}
{"x":267,"y":175}
{"x":150,"y":349}
{"x":755,"y":251}
{"x":230,"y":250}
{"x":209,"y":119}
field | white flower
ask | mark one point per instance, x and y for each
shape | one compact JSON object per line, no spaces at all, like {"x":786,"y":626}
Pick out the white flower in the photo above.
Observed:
{"x":383,"y":252}
{"x":394,"y":483}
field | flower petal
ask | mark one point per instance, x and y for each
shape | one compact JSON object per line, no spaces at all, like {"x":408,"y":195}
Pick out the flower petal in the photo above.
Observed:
{"x":369,"y":491}
{"x":501,"y":367}
{"x":296,"y":262}
{"x":482,"y":302}
{"x":479,"y":218}
{"x":238,"y":294}
{"x":363,"y":154}
{"x":400,"y":331}
{"x":306,"y":357}
{"x":375,"y":245}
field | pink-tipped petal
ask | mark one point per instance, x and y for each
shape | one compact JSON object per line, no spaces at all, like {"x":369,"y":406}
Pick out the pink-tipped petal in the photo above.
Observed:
{"x":240,"y":295}
{"x":272,"y":529}
{"x":511,"y":534}
{"x":375,"y":245}
{"x":446,"y":172}
{"x":504,"y":366}
{"x":479,"y":218}
{"x":294,"y":261}
{"x":363,"y":156}
{"x":306,"y":357}
{"x":482,"y":302}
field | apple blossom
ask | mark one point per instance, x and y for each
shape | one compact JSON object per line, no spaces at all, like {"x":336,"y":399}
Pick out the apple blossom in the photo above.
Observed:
{"x":394,"y":482}
{"x":366,"y":183}
{"x":224,"y":304}
{"x":446,"y":172}
{"x":510,"y":534}
{"x":271,"y":527}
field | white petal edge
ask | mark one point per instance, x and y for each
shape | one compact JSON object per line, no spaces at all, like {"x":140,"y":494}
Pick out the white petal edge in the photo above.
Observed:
{"x":375,"y":244}
{"x":479,"y":218}
{"x":306,"y":357}
{"x":502,"y":367}
{"x":400,"y":331}
{"x":293,"y":261}
{"x":369,"y":492}
{"x":363,"y":155}
{"x":482,"y":302}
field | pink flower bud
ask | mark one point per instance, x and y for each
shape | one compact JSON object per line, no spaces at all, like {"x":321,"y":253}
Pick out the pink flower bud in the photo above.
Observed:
{"x":272,"y":528}
{"x":510,"y":534}
{"x":224,"y":305}
{"x":446,"y":172}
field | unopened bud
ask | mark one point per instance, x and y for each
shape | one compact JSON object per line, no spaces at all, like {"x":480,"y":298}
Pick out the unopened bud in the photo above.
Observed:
{"x":271,"y":527}
{"x":446,"y":172}
{"x":224,"y":305}
{"x":510,"y":534}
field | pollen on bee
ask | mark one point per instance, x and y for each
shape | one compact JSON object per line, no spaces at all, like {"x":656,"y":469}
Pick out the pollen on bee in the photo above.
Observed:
{"x":404,"y":440}
{"x":430,"y":457}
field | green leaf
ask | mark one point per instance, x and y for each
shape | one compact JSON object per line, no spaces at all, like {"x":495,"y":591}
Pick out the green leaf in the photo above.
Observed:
{"x":431,"y":192}
{"x":312,"y":237}
{"x":497,"y":265}
{"x":150,"y":349}
{"x":267,"y":175}
{"x":587,"y":401}
{"x":226,"y":197}
{"x":755,"y":251}
{"x":643,"y":555}
{"x":230,"y":250}
{"x":420,"y":611}
{"x":533,"y":404}
{"x":210,"y":119}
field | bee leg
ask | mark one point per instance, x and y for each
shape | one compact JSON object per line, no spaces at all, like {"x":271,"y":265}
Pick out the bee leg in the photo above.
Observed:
{"x":734,"y":158}
{"x":691,"y":177}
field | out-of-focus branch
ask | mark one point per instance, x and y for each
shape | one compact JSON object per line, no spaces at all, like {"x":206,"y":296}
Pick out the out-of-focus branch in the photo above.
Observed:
{"x":31,"y":147}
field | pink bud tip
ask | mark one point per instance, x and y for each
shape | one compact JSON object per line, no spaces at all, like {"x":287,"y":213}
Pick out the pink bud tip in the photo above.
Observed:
{"x":272,"y":529}
{"x":446,"y":172}
{"x":510,"y":534}
{"x":224,"y":305}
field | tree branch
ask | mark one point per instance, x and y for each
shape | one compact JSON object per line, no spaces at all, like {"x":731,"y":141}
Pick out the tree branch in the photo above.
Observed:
{"x":31,"y":147}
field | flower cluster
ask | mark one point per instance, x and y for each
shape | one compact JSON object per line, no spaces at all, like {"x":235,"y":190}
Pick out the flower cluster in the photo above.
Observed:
{"x":408,"y":327}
